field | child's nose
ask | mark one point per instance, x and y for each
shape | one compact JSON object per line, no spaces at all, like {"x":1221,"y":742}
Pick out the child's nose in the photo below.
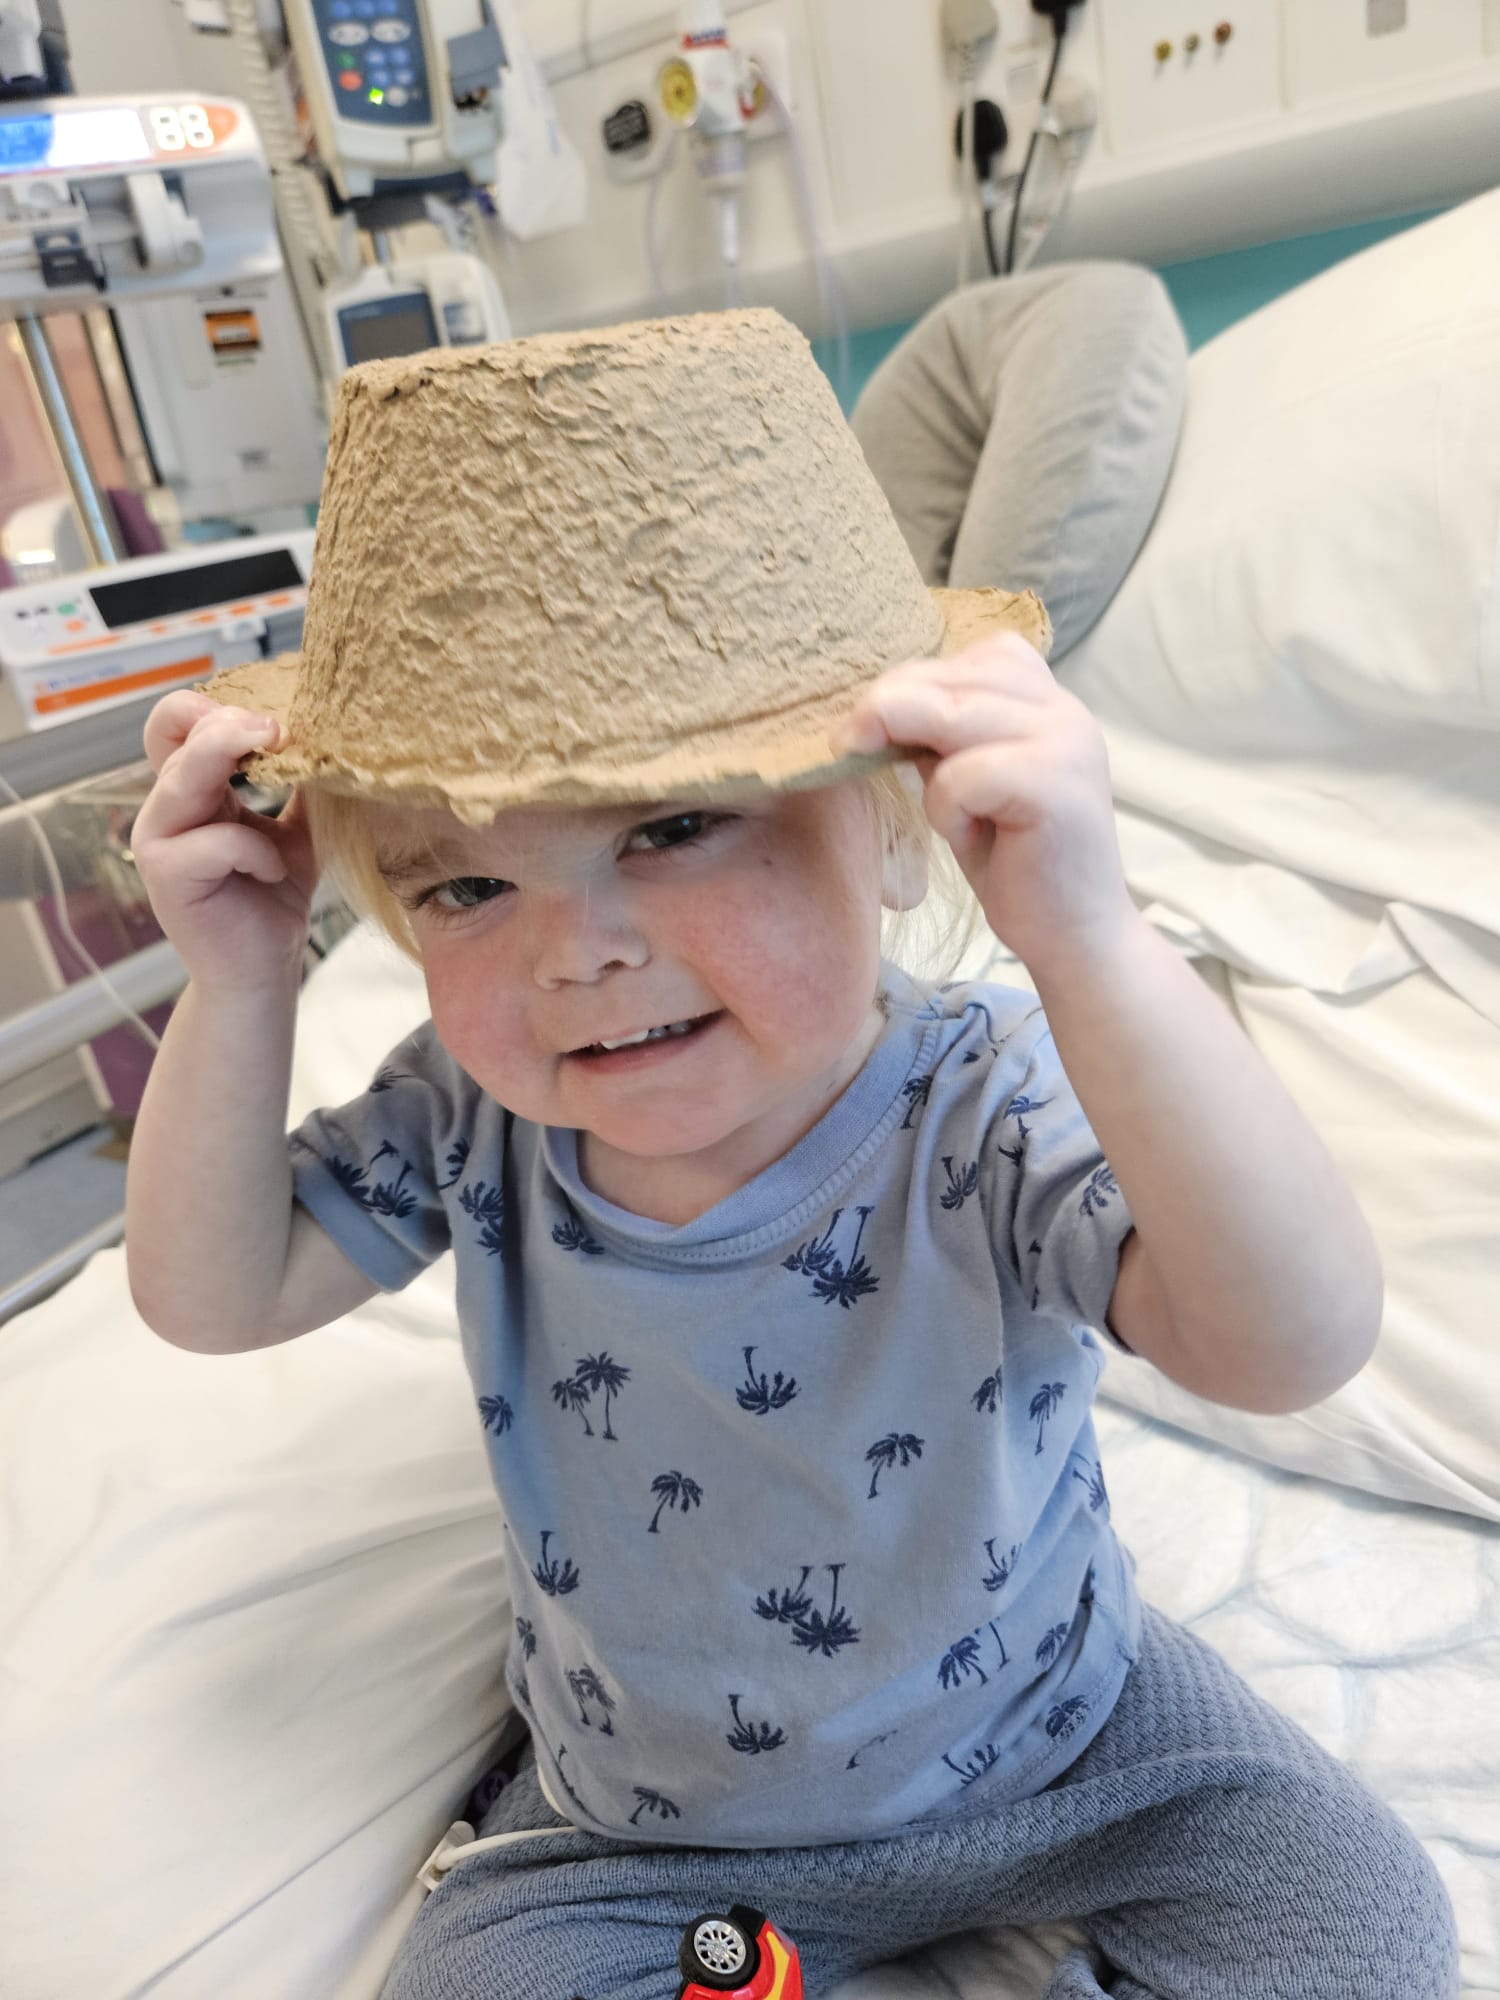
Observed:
{"x":577,"y":938}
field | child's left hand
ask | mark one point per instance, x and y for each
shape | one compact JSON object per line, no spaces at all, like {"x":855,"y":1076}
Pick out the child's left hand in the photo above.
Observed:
{"x":1016,"y":779}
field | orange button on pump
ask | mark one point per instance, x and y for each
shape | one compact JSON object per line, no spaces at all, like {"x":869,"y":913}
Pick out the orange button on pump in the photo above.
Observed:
{"x":76,"y":625}
{"x":350,"y":79}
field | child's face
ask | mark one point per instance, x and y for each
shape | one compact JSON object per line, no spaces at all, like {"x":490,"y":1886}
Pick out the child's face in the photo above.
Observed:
{"x":554,"y":930}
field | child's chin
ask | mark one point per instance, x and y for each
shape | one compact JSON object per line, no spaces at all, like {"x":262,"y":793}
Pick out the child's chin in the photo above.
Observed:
{"x":662,"y":1138}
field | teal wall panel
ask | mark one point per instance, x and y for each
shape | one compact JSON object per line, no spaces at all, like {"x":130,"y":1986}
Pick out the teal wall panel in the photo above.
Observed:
{"x":1209,"y":293}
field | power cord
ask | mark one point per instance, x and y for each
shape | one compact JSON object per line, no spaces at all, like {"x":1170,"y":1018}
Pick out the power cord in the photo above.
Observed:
{"x":986,"y":142}
{"x":1057,"y":12}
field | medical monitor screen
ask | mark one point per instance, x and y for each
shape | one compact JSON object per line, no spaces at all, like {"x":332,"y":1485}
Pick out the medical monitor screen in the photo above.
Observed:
{"x":385,"y":327}
{"x":191,"y":589}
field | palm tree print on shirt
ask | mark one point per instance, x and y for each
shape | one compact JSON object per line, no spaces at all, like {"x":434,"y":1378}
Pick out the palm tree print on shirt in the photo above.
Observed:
{"x":916,"y":1093}
{"x":570,"y":1234}
{"x":676,"y":1490}
{"x":385,"y":1077}
{"x":571,"y":1395}
{"x":556,"y":1578}
{"x":385,"y":1197}
{"x":526,"y":1633}
{"x":1065,"y":1716}
{"x":593,"y":1373}
{"x":1002,"y":1568}
{"x":1043,"y":1405}
{"x":751,"y":1737}
{"x":562,"y":1751}
{"x":495,"y":1414}
{"x":1052,"y":1644}
{"x":987,"y":1395}
{"x":832,"y":1280}
{"x":457,"y":1160}
{"x":655,"y":1802}
{"x":810,"y":1629}
{"x":884,"y":1737}
{"x":1094,"y":1481}
{"x":1017,"y":1109}
{"x":758,"y":1395}
{"x":486,"y":1206}
{"x":885,"y":1451}
{"x":961,"y":1184}
{"x":1096,"y":1195}
{"x":983,"y":1760}
{"x":962,"y":1658}
{"x":587,"y":1687}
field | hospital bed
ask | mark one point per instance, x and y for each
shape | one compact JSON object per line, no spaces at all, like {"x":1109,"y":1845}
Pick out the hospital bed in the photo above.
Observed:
{"x":252,"y":1613}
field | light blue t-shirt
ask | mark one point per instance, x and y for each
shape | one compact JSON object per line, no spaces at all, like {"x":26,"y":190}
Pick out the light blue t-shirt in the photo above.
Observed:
{"x":805,"y":1524}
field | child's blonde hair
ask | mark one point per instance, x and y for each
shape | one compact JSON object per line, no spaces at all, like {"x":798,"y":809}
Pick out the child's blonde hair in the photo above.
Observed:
{"x":929,"y":941}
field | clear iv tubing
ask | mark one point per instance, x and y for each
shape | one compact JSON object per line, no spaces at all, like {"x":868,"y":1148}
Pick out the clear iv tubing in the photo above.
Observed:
{"x":828,"y":284}
{"x":59,"y":897}
{"x":653,"y":269}
{"x":967,"y":182}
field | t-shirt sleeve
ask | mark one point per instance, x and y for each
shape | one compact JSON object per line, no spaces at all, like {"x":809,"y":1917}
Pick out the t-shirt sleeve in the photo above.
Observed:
{"x":1057,"y":1216}
{"x":371,"y":1172}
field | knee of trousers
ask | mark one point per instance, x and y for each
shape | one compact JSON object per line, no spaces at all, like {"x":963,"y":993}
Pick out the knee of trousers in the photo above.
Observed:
{"x":1332,"y":1876}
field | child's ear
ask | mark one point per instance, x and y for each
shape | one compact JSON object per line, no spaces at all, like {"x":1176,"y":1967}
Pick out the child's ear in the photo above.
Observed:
{"x":903,"y":875}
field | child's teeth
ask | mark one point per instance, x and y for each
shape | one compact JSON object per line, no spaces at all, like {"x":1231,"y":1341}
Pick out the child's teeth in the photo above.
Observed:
{"x":648,"y":1035}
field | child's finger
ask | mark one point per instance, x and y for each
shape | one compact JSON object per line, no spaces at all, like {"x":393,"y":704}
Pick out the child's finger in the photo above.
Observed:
{"x":171,"y":721}
{"x":1004,"y":665}
{"x":992,"y":782}
{"x":1003,"y":661}
{"x":205,"y":858}
{"x":191,"y":786}
{"x":927,"y":715}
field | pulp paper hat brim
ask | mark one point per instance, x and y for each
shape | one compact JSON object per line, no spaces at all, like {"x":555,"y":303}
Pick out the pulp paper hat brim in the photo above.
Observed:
{"x":784,"y":753}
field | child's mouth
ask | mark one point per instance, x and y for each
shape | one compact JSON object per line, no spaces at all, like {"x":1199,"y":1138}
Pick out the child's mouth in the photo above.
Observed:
{"x":649,"y":1045}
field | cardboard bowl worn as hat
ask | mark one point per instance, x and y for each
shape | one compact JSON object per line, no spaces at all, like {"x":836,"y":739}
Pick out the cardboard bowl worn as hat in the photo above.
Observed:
{"x":643,"y":562}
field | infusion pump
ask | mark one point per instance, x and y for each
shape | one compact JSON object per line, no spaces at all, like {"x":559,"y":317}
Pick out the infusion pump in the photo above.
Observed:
{"x":125,"y":197}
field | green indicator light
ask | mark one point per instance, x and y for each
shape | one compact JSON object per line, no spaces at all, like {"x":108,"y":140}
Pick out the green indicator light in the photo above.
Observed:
{"x":377,"y":97}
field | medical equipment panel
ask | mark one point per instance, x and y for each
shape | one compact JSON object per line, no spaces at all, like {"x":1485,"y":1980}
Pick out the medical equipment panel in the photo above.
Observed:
{"x":80,"y":644}
{"x":399,"y":90}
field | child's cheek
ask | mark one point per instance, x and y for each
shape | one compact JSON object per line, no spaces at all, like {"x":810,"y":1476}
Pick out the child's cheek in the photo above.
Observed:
{"x":482,"y":1025}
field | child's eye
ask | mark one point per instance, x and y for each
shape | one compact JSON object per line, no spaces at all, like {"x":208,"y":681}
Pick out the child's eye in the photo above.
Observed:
{"x":678,"y":830}
{"x":464,"y":892}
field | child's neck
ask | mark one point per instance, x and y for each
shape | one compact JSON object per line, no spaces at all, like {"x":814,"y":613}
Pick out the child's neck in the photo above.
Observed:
{"x":677,"y":1188}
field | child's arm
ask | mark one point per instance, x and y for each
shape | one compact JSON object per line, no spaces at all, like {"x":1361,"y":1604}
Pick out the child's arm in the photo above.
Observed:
{"x":1252,"y":1278}
{"x":220,"y":1257}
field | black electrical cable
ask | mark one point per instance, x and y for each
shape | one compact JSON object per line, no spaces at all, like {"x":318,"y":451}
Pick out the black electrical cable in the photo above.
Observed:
{"x":989,"y":240}
{"x":1059,"y":32}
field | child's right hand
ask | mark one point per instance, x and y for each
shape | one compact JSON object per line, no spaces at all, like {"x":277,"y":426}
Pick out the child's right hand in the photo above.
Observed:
{"x":232,"y":889}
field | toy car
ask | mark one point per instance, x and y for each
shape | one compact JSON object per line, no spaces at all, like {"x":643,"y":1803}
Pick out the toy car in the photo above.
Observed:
{"x":741,"y":1955}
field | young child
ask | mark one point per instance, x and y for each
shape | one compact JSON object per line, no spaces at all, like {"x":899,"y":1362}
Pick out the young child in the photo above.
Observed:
{"x":779,"y":1273}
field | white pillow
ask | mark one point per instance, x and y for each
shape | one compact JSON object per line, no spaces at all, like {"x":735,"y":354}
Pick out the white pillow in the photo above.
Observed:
{"x":252,"y":1622}
{"x":1304,"y":662}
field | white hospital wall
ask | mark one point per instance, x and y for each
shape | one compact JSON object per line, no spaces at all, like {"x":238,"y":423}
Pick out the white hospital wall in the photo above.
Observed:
{"x":1303,"y":120}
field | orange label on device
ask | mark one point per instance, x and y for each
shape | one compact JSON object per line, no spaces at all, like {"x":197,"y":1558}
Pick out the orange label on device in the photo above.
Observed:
{"x":74,"y":697}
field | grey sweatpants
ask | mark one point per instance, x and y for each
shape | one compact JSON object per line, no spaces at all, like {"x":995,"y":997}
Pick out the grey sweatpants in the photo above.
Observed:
{"x":1205,"y":1843}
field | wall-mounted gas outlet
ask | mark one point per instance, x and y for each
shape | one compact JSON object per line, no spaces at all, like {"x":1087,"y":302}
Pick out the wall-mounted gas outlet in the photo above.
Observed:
{"x":1177,"y":68}
{"x":767,"y":49}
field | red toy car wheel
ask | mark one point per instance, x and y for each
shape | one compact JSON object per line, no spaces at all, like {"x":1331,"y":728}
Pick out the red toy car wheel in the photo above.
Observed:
{"x":721,"y":1953}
